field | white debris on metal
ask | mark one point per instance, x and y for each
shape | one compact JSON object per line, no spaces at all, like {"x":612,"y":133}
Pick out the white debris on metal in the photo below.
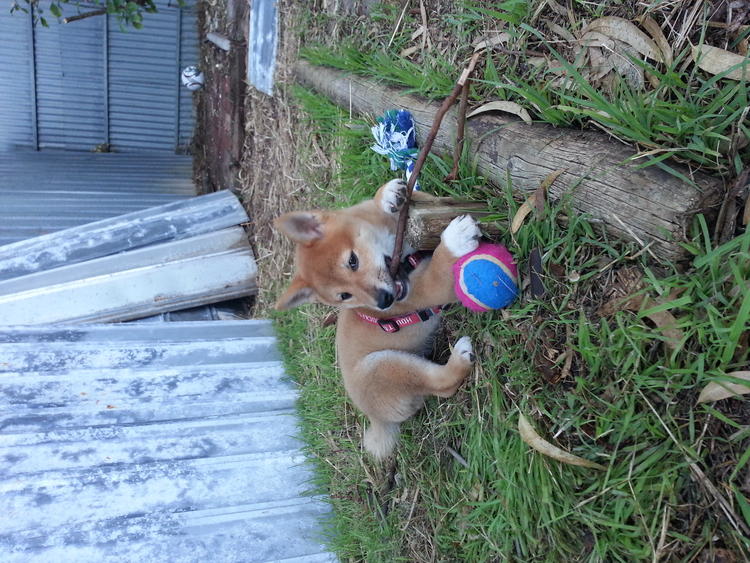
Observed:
{"x":261,"y":50}
{"x":161,"y":259}
{"x":152,"y":442}
{"x":172,"y":221}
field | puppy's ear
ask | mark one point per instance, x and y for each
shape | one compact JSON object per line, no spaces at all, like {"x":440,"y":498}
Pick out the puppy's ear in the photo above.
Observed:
{"x":298,"y":293}
{"x":303,"y":227}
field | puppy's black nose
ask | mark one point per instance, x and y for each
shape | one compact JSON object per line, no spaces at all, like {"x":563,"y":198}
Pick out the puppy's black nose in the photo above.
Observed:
{"x":385,"y":299}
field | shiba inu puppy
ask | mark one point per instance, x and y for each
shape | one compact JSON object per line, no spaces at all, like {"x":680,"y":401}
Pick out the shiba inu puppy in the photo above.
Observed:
{"x":385,"y":325}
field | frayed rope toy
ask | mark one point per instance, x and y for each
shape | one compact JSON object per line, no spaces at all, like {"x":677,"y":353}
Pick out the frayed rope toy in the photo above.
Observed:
{"x":395,"y":138}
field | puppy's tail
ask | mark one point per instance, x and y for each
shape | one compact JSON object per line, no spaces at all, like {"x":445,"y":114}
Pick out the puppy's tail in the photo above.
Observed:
{"x":380,"y":438}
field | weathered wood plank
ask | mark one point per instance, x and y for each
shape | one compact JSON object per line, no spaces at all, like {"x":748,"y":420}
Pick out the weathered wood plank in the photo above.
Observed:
{"x":648,"y":205}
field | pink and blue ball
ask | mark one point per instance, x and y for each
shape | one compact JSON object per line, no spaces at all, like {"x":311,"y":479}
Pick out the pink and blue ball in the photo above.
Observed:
{"x":487,"y":278}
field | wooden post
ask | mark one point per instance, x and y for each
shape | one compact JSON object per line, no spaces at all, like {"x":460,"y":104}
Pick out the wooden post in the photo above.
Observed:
{"x":428,"y":219}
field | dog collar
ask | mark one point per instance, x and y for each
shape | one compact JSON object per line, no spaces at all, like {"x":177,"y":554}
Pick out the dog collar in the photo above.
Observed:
{"x":394,"y":324}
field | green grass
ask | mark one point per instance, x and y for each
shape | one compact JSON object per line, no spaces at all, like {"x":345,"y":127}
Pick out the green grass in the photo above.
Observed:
{"x":690,"y":115}
{"x":628,"y":401}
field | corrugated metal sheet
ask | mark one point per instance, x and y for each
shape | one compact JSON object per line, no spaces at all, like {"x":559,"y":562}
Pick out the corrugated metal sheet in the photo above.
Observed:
{"x":189,"y":55}
{"x":91,"y":83}
{"x":17,"y":105}
{"x":44,"y":192}
{"x":166,"y":223}
{"x":261,"y":50}
{"x":151,"y":443}
{"x":71,"y":83}
{"x":196,"y":271}
{"x":179,"y":255}
{"x":144,"y":83}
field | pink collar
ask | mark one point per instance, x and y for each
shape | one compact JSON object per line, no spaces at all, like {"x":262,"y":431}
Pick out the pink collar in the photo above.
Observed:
{"x":394,"y":324}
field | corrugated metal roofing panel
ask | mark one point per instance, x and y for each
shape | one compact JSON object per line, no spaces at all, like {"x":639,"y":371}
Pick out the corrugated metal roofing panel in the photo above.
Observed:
{"x":144,"y":97}
{"x":164,"y":277}
{"x":169,"y":222}
{"x":125,"y":442}
{"x":70,"y":83}
{"x":17,"y":106}
{"x":189,"y":55}
{"x":90,"y":83}
{"x":261,"y":49}
{"x":45,"y":192}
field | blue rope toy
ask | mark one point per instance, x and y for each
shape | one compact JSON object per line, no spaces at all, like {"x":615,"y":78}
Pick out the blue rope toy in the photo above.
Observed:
{"x":395,"y":138}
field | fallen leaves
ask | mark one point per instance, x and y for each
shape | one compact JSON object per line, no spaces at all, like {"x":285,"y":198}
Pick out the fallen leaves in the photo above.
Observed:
{"x":718,"y":390}
{"x":520,"y":216}
{"x":507,"y":107}
{"x":620,"y":29}
{"x":535,"y":201}
{"x":535,"y":441}
{"x":718,"y":61}
{"x":629,"y":297}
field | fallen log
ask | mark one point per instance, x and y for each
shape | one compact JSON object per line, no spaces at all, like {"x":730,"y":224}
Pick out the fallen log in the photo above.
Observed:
{"x":429,"y":218}
{"x":647,"y":205}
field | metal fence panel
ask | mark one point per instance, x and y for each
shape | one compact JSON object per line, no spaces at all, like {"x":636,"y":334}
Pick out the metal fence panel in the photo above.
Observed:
{"x":17,"y":105}
{"x":92,"y":84}
{"x":70,"y":83}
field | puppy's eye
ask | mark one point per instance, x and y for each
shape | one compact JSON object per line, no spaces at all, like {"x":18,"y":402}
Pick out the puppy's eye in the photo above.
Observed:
{"x":353,"y":262}
{"x":344,"y":296}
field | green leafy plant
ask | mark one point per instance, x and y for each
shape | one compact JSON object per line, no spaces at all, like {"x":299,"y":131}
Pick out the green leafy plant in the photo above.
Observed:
{"x":127,"y":12}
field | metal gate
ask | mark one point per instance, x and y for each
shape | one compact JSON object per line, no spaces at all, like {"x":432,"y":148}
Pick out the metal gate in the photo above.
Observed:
{"x":90,"y":85}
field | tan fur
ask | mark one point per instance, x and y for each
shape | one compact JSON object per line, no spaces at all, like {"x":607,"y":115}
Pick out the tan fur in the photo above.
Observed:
{"x":384,"y":374}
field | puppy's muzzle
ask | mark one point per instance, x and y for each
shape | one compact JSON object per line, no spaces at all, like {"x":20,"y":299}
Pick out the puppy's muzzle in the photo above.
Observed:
{"x":384,"y":299}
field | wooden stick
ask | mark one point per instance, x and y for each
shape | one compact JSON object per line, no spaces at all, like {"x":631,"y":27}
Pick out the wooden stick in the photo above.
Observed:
{"x":459,"y":147}
{"x":396,"y":257}
{"x":84,"y":15}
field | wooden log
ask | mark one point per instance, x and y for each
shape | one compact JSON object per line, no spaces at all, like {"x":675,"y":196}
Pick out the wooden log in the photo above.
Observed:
{"x":428,"y":219}
{"x":647,"y":205}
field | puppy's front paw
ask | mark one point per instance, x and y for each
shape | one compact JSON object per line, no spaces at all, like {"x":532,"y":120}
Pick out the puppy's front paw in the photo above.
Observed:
{"x":463,"y":348}
{"x":393,"y":196}
{"x":461,"y":236}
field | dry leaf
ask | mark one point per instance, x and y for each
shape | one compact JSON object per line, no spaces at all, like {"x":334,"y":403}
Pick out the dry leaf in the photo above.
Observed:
{"x":596,"y":39}
{"x":746,"y":213}
{"x":561,"y":31}
{"x":534,"y":201}
{"x":715,"y":61}
{"x":541,"y":192}
{"x":508,"y":107}
{"x":621,"y":61}
{"x":529,"y":435}
{"x":718,"y":390}
{"x":492,"y":41}
{"x":420,"y":30}
{"x":520,"y":216}
{"x":600,"y":64}
{"x":658,"y":35}
{"x":625,"y":31}
{"x":408,"y":51}
{"x":666,"y":323}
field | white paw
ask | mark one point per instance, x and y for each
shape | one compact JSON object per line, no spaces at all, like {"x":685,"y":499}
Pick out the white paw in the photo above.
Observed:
{"x":393,"y":196}
{"x":461,"y":236}
{"x":463,"y":348}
